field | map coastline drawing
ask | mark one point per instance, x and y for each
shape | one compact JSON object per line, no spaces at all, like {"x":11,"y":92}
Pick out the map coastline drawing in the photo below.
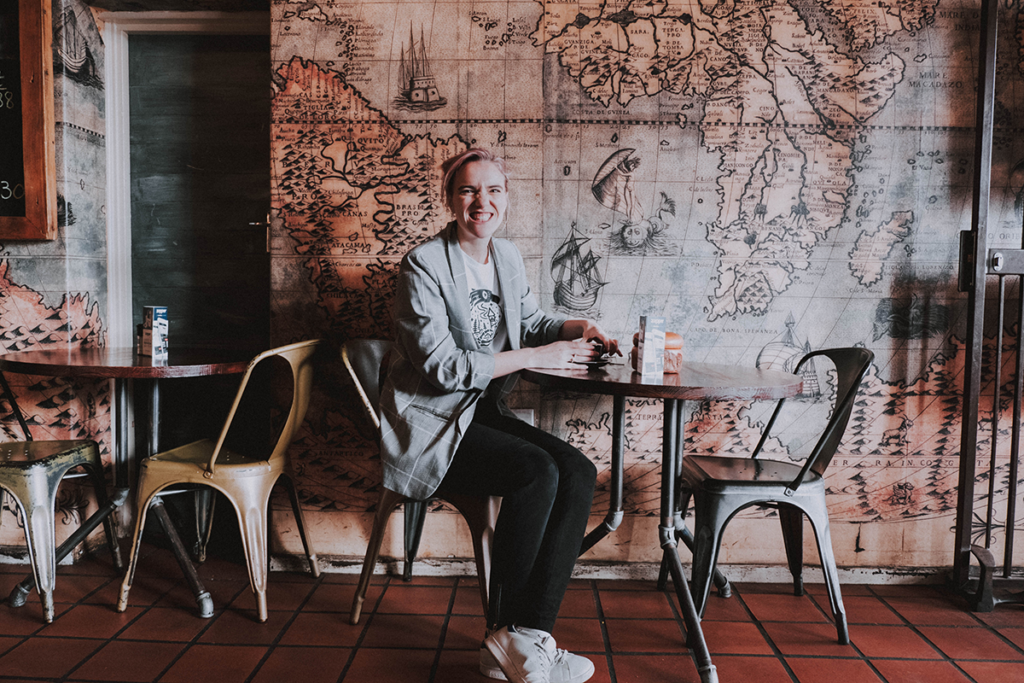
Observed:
{"x":795,"y":174}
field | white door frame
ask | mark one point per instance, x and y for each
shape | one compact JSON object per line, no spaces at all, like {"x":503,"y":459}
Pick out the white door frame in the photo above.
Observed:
{"x":116,"y":27}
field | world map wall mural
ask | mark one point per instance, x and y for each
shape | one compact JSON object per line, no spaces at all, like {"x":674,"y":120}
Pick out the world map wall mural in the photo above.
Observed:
{"x":773,"y":176}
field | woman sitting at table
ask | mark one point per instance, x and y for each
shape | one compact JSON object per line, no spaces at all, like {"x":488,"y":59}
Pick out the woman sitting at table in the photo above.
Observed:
{"x":466,"y":321}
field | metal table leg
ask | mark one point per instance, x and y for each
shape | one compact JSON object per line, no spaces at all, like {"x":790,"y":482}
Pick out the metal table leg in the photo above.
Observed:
{"x":203,"y":600}
{"x":667,"y":533}
{"x":614,"y":517}
{"x":682,"y":531}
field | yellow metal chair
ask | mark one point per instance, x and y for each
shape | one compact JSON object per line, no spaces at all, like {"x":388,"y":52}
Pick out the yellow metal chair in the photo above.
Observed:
{"x":245,"y":479}
{"x":31,"y":471}
{"x":362,"y":359}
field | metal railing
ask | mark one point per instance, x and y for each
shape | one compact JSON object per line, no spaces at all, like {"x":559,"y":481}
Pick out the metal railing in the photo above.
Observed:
{"x":991,"y":585}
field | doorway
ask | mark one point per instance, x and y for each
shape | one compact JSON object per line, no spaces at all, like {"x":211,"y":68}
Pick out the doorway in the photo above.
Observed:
{"x":200,"y":177}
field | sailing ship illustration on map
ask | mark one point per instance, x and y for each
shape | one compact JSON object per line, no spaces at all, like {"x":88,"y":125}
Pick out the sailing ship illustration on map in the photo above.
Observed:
{"x":784,"y":353}
{"x":574,"y":270}
{"x":419,"y":87}
{"x":74,"y":58}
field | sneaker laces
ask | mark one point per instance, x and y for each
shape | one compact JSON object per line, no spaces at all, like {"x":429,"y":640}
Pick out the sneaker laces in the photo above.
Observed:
{"x":548,"y":657}
{"x":558,"y":656}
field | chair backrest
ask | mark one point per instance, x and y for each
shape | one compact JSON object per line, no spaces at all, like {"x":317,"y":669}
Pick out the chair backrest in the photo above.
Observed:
{"x":10,"y":398}
{"x":300,"y":359}
{"x":362,"y":358}
{"x":851,"y":365}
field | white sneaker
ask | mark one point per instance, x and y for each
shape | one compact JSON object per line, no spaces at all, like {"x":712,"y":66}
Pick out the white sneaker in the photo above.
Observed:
{"x":528,"y":655}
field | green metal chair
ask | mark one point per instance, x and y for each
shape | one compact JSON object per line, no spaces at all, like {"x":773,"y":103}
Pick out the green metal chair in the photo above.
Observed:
{"x":722,"y":486}
{"x":32,"y":471}
{"x":362,"y":359}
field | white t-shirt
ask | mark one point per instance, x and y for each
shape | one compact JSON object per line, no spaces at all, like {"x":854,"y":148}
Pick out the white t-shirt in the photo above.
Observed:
{"x":489,"y":328}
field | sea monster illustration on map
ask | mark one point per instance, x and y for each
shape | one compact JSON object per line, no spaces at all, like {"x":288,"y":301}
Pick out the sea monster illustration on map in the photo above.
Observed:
{"x":613,"y":188}
{"x":419,"y":87}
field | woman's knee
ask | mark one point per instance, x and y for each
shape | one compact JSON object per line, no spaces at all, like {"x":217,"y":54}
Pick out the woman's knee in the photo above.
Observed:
{"x":578,"y":470}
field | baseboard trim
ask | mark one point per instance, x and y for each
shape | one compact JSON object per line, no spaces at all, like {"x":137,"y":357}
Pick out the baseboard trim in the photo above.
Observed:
{"x":637,"y":571}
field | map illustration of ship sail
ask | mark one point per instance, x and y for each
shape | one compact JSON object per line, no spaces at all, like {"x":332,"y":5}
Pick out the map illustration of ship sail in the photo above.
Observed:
{"x":772,"y":176}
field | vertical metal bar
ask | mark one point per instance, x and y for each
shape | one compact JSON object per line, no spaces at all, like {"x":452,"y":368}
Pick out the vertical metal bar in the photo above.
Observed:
{"x":976,"y":294}
{"x":121,"y":471}
{"x":154,"y":417}
{"x":997,"y":395}
{"x":668,"y":465}
{"x":618,"y":453}
{"x":1018,"y":389}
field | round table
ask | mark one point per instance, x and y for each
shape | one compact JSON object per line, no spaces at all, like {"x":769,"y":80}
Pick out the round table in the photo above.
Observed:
{"x":695,"y":381}
{"x":122,"y":364}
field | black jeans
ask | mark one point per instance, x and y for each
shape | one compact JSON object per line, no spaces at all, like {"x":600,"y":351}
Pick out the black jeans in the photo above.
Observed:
{"x":547,"y":487}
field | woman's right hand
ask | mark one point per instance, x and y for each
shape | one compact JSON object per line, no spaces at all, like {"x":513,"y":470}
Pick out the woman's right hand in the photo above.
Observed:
{"x":564,"y":354}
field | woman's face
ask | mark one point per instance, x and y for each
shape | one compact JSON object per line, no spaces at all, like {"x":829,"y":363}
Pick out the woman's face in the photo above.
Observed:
{"x":479,"y":200}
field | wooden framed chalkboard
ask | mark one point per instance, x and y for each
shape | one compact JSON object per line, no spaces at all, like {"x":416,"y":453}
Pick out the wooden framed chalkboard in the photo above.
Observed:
{"x":28,"y":193}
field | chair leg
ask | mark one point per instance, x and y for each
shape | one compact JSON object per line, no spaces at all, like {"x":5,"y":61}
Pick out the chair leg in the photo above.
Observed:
{"x":792,"y":520}
{"x":819,"y":521}
{"x":708,"y":526}
{"x":481,"y":514}
{"x":133,"y":554}
{"x":205,"y":503}
{"x":251,"y":499}
{"x":389,"y":500}
{"x":415,"y":516}
{"x":40,"y":535}
{"x":300,"y":522}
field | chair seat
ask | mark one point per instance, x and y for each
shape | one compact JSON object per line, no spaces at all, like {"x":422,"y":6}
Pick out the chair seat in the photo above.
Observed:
{"x":715,"y":473}
{"x":25,"y":454}
{"x":195,"y":456}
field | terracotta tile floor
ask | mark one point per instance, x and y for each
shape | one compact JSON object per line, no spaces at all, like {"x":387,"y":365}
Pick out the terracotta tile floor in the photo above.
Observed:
{"x":429,"y":630}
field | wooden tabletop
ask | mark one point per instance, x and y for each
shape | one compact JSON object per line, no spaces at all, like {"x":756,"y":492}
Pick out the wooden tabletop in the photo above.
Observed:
{"x":695,"y":381}
{"x":124,"y":363}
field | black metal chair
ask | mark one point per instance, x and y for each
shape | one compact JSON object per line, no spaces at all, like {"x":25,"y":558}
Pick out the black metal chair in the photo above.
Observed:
{"x":362,"y":359}
{"x":722,"y":486}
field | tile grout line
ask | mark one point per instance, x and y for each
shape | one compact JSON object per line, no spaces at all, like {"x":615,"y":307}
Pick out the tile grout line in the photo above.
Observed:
{"x":366,"y":626}
{"x":943,"y":656}
{"x":106,"y":641}
{"x":444,"y":631}
{"x":609,"y":660}
{"x":189,"y":644}
{"x":272,"y":647}
{"x":738,"y":595}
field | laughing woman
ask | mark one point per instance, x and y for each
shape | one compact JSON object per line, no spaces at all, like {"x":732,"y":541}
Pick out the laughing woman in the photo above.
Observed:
{"x":466,"y":322}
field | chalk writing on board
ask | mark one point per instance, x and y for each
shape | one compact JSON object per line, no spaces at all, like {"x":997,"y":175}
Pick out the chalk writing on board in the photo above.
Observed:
{"x":12,"y":157}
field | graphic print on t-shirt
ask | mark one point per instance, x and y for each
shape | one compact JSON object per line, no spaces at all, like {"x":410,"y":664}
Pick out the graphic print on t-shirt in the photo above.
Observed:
{"x":486,"y":314}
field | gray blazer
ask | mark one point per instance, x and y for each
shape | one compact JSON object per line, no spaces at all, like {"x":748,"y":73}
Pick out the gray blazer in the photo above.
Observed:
{"x":437,"y":372}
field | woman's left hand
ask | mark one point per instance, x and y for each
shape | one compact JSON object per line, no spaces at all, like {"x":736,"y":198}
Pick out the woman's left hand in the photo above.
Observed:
{"x":592,"y":332}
